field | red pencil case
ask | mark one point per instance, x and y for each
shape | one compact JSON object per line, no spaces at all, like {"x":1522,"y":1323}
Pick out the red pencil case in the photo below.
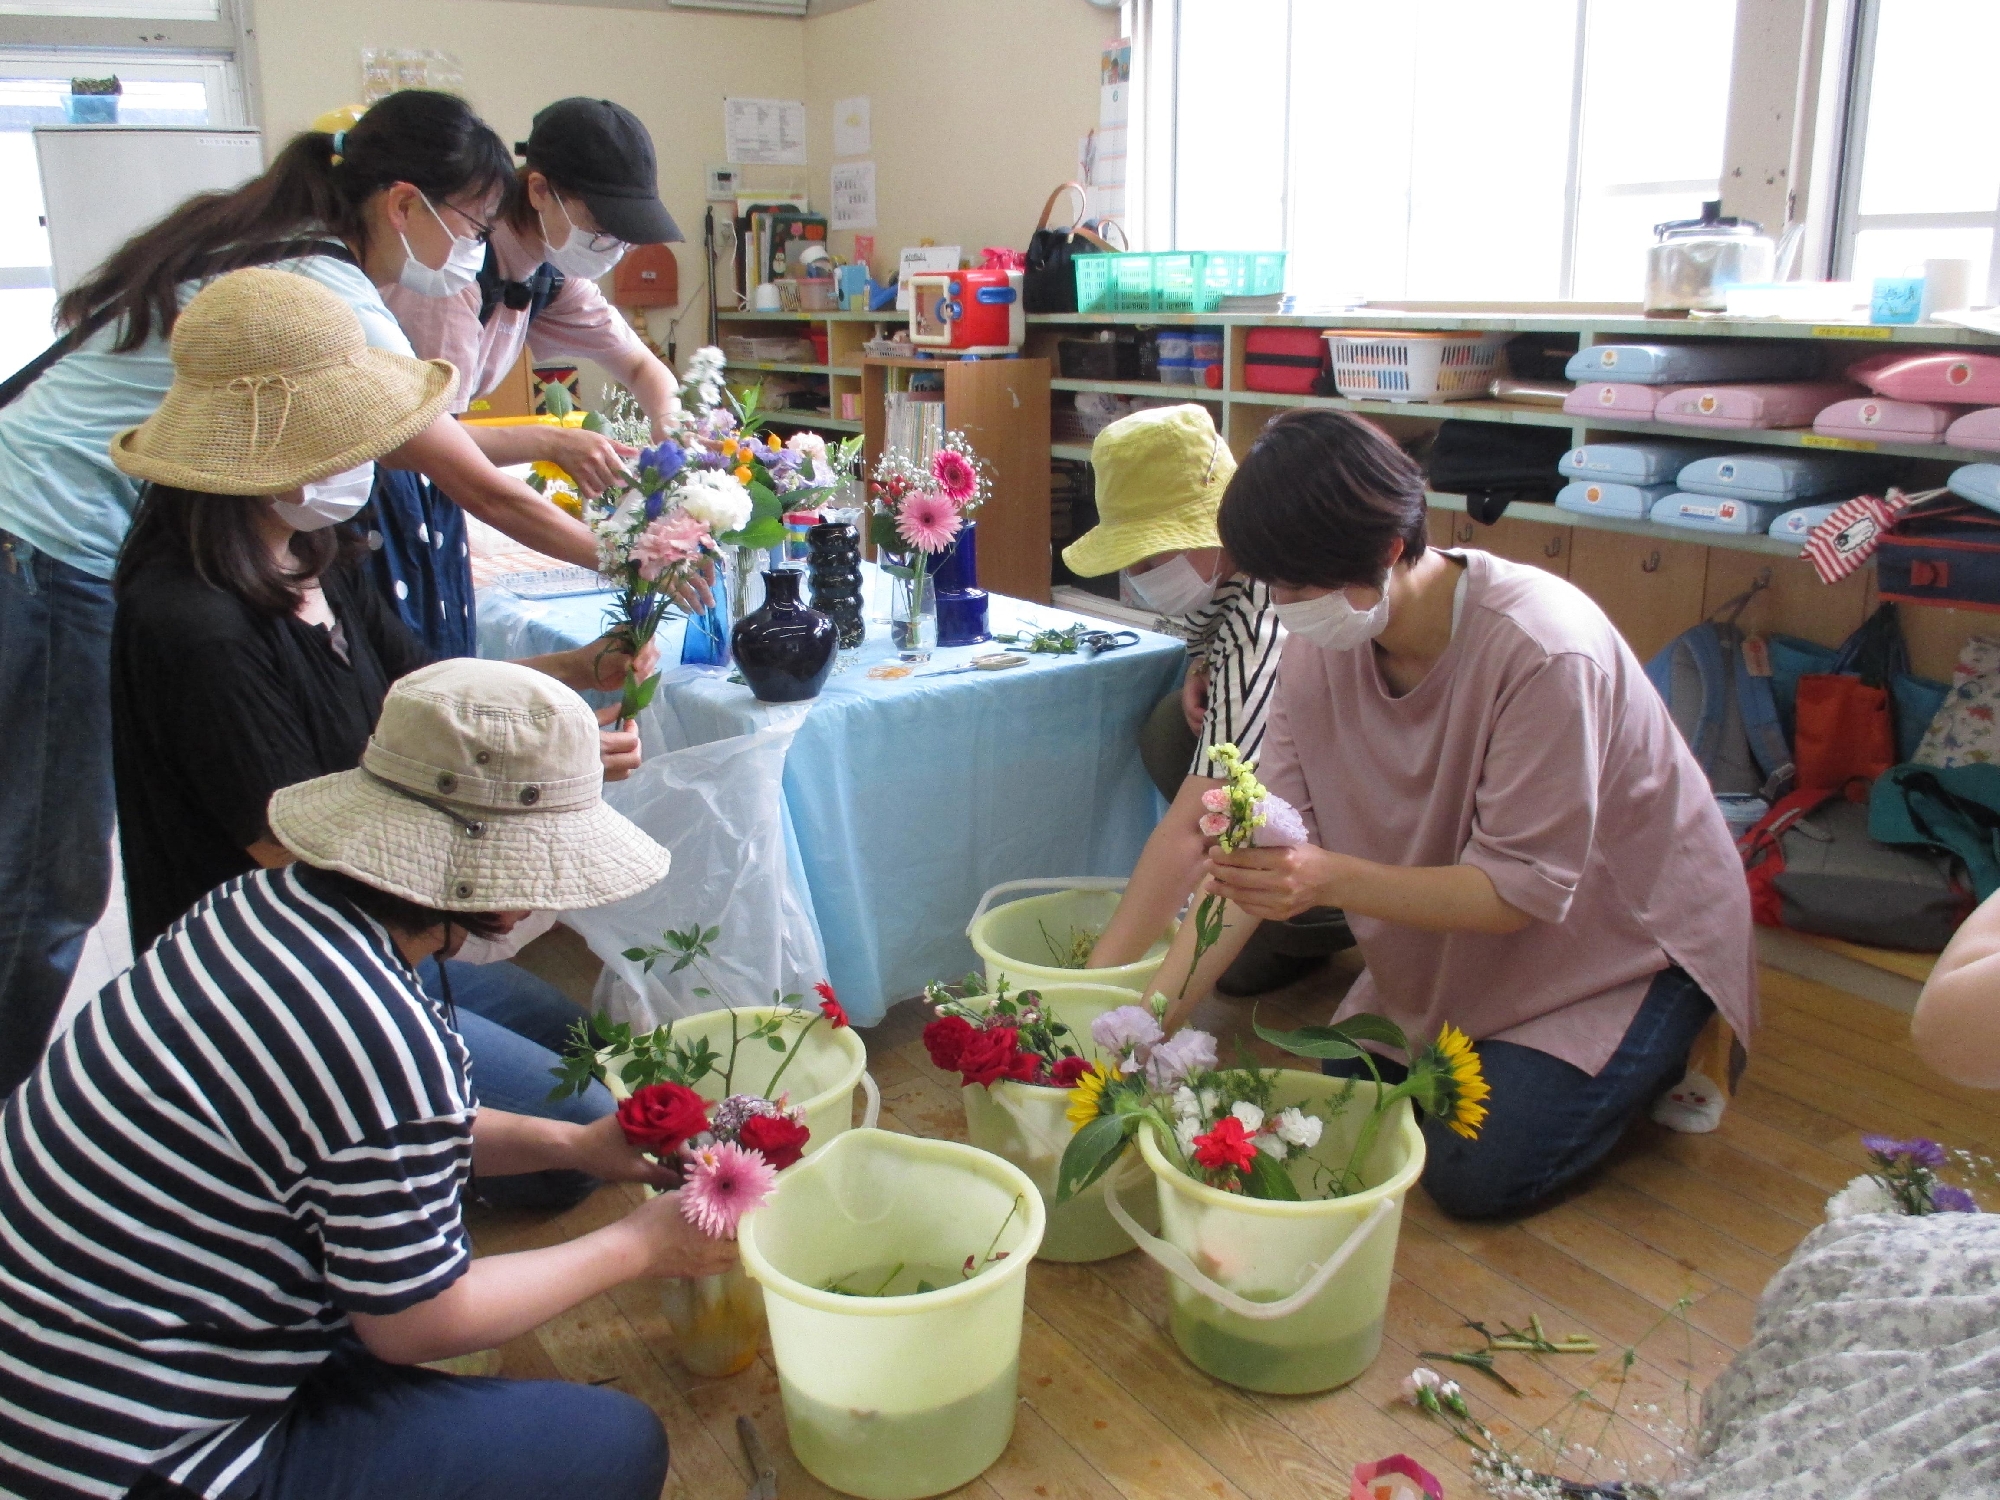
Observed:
{"x":1284,"y":360}
{"x":1961,"y":379}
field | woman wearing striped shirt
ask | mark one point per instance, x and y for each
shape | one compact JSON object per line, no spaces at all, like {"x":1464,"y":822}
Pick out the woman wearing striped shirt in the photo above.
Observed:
{"x":230,"y":1196}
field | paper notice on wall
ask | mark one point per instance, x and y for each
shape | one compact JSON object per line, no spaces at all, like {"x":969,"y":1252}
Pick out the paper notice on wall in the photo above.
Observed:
{"x":1105,"y":181}
{"x":850,"y":127}
{"x":854,"y":195}
{"x":765,"y":132}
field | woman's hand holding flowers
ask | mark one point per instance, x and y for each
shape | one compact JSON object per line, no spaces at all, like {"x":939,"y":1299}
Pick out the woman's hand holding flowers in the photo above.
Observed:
{"x":594,"y":461}
{"x":1274,"y":885}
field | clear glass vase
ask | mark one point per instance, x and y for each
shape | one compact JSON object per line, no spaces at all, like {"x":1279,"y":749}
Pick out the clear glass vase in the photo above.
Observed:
{"x":718,"y":1321}
{"x":913,"y":616}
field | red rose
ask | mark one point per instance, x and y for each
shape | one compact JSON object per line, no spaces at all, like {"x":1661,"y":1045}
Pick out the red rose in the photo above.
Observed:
{"x":945,"y":1040}
{"x":1068,"y":1070}
{"x":990,"y":1056}
{"x":658,"y":1117}
{"x":830,"y":1006}
{"x":778,"y":1140}
{"x":1227,"y":1145}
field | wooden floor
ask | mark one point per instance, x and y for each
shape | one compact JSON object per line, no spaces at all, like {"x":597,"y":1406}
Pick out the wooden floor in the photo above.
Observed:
{"x":1109,"y":1408}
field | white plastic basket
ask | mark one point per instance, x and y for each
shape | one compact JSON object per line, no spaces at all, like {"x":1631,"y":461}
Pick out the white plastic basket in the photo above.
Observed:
{"x":1372,"y":366}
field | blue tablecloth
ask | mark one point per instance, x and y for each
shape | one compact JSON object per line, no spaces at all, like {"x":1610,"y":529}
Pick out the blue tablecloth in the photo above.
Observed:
{"x":909,"y":799}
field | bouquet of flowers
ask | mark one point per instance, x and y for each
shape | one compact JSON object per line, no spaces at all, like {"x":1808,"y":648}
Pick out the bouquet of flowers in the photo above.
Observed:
{"x":919,"y":509}
{"x":1219,"y":1126}
{"x":1905,"y":1181}
{"x":1014,"y":1037}
{"x":1240,"y":812}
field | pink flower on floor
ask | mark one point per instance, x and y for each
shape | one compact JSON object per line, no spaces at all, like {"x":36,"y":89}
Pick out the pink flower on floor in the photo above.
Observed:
{"x":1214,"y":825}
{"x":721,"y":1185}
{"x":955,"y":475}
{"x":671,"y":539}
{"x":1216,"y":799}
{"x":928,"y":522}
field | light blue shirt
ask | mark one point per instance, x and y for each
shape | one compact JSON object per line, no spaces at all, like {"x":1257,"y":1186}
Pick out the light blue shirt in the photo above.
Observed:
{"x":59,"y":490}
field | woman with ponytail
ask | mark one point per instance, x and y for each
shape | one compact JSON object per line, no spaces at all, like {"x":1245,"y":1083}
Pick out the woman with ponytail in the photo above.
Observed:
{"x":404,"y":197}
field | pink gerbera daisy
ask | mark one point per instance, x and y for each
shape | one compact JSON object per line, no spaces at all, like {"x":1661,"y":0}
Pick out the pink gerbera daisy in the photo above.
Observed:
{"x":928,"y":521}
{"x":955,"y":475}
{"x":671,"y":539}
{"x":722,"y":1183}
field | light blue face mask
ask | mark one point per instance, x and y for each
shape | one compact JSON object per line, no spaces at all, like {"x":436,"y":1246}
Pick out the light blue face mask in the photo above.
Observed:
{"x":460,"y":269}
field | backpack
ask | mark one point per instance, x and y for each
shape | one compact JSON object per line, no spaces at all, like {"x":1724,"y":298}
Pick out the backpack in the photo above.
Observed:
{"x":1812,"y":866}
{"x":1726,"y":712}
{"x":534,"y":294}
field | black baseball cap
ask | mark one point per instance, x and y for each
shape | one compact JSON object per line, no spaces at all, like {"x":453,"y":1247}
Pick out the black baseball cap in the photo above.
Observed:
{"x":599,"y":151}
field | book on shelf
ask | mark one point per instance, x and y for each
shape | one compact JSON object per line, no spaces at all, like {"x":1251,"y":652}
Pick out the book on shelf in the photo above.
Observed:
{"x":913,"y":423}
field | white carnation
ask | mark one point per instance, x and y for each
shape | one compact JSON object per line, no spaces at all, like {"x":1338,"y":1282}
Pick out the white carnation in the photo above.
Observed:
{"x":1186,"y":1105}
{"x":717,"y":500}
{"x":1270,"y":1145}
{"x":808,"y":445}
{"x":1297,"y":1128}
{"x":1864,"y":1195}
{"x":1185,"y":1130}
{"x":1251,"y":1116}
{"x":1211,"y":1101}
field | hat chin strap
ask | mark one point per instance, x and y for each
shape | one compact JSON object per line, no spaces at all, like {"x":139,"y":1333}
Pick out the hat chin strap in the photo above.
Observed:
{"x":473,"y":826}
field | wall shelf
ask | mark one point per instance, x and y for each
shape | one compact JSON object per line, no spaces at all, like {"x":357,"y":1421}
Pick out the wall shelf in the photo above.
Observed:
{"x":814,"y":419}
{"x":1552,"y":515}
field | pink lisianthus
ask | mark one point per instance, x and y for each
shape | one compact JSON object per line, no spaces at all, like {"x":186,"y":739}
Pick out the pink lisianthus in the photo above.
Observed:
{"x":955,"y":475}
{"x":671,"y":539}
{"x":721,"y":1184}
{"x":1214,"y":825}
{"x":928,"y":521}
{"x":1216,"y":799}
{"x":1282,"y":827}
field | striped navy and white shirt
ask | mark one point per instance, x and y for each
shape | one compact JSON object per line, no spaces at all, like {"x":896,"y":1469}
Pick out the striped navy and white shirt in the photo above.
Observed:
{"x":1236,"y":639}
{"x":264,"y":1126}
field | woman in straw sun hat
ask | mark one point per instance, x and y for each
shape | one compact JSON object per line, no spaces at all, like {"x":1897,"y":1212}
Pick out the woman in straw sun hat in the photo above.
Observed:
{"x":232,"y":1195}
{"x":393,"y":201}
{"x":248,"y":653}
{"x":1160,"y":476}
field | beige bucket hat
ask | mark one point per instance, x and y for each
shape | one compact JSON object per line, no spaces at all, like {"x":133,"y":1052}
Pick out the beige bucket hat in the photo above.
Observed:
{"x":480,"y":790}
{"x":1160,"y":477}
{"x":275,"y":385}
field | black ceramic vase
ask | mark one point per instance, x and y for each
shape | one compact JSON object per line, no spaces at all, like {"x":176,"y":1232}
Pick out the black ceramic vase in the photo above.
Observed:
{"x":784,"y":650}
{"x":835,"y":564}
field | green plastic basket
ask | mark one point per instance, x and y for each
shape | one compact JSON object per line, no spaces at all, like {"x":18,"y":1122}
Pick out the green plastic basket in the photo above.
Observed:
{"x":1175,"y":280}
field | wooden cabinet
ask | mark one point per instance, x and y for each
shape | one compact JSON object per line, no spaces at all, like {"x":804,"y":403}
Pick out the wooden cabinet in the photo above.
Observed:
{"x":1652,"y":590}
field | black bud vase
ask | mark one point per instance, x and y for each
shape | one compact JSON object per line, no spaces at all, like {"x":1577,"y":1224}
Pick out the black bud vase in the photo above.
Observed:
{"x":784,"y":650}
{"x":835,"y":563}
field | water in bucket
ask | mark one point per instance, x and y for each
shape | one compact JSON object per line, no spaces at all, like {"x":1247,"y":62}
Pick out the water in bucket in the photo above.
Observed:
{"x":908,"y":1393}
{"x":1032,"y":940}
{"x":1266,"y":1251}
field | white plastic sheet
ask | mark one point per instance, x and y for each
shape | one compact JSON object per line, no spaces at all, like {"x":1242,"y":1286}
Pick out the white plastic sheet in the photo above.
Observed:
{"x":719,"y":810}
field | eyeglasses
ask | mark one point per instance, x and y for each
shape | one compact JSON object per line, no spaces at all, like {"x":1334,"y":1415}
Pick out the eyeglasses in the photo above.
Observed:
{"x":481,"y":229}
{"x":597,"y":243}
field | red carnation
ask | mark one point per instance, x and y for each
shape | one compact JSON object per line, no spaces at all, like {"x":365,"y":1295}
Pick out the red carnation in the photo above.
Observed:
{"x":660,"y":1116}
{"x":945,"y":1040}
{"x":1068,"y":1070}
{"x":779,"y":1140}
{"x":829,"y":1005}
{"x":990,"y":1056}
{"x":1227,"y":1145}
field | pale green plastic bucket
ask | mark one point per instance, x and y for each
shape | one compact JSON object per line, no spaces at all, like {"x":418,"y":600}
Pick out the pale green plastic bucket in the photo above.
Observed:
{"x":1012,"y":938}
{"x":1286,"y":1297}
{"x":1029,"y":1127}
{"x":895,"y":1397}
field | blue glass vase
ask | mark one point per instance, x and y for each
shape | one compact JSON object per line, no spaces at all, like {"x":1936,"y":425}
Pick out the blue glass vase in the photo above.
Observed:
{"x":961,"y":603}
{"x":706,"y":643}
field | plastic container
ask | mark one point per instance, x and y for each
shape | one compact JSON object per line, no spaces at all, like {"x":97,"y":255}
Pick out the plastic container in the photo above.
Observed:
{"x":1606,"y":497}
{"x":1758,"y":406}
{"x":1714,"y":513}
{"x":1955,"y":379}
{"x":1703,"y":362}
{"x":1028,"y":1126}
{"x":1376,"y":366}
{"x":1874,"y":417}
{"x":832,"y":1062}
{"x":1021,"y":939}
{"x":913,"y":1393}
{"x":1797,"y":524}
{"x":1649,"y":461}
{"x":1617,"y":398}
{"x":1979,"y":483}
{"x":1286,"y":1297}
{"x":1175,"y":280}
{"x":1976,"y":429}
{"x":1775,"y":478}
{"x":1285,"y":360}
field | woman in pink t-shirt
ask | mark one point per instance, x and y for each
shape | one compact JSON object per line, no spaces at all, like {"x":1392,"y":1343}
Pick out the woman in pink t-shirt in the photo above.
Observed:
{"x":1522,"y":842}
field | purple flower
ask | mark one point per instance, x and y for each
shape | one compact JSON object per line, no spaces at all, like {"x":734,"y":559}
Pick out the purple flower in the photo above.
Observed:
{"x":1127,"y":1030}
{"x":1924,"y":1153}
{"x":666,"y":460}
{"x":642,"y":606}
{"x":708,"y":458}
{"x":1953,"y":1200}
{"x":782,"y":459}
{"x":655,"y":503}
{"x":1182,"y":1053}
{"x":1282,"y":826}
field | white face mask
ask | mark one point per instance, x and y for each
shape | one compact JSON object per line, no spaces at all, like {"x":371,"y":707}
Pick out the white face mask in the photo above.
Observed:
{"x":575,"y":255}
{"x":329,"y":501}
{"x":1332,"y":624}
{"x":459,"y":271}
{"x":1174,"y":587}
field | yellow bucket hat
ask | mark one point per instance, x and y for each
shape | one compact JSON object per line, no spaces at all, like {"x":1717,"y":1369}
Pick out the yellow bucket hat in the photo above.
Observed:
{"x":1160,"y":478}
{"x":274,"y":385}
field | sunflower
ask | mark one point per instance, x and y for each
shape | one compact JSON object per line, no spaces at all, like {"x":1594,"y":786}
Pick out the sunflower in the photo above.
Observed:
{"x":1086,"y":1100}
{"x":1456,"y":1083}
{"x":553,"y":473}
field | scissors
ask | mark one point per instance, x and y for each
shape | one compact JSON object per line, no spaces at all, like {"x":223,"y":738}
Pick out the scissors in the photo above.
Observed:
{"x":1097,"y":642}
{"x":998,"y":662}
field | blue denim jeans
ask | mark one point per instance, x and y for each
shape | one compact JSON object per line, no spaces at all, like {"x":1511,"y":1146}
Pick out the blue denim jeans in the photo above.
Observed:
{"x":56,"y":804}
{"x":360,"y":1427}
{"x":1548,"y":1122}
{"x":515,"y":1026}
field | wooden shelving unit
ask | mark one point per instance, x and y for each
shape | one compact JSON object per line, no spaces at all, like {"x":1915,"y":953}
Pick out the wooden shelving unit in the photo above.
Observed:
{"x":846,"y":332}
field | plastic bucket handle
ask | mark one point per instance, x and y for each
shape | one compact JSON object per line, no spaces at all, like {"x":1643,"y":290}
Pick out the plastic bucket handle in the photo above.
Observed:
{"x":1045,"y":883}
{"x":1175,"y":1261}
{"x":873,"y":1111}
